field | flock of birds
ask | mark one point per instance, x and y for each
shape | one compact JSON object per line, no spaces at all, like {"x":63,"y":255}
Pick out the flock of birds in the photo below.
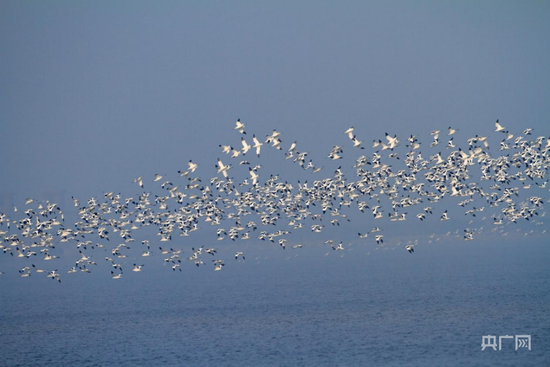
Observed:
{"x":394,"y":183}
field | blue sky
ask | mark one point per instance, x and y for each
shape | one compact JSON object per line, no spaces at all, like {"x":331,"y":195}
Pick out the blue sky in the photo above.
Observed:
{"x":95,"y":94}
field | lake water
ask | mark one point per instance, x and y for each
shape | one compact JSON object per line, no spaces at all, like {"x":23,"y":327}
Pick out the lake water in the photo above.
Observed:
{"x":389,"y":308}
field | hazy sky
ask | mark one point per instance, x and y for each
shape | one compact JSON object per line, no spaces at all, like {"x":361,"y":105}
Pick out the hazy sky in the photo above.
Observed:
{"x":94,"y":94}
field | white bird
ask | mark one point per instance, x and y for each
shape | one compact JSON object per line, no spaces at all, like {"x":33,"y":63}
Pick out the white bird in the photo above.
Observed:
{"x":450,"y":144}
{"x":198,"y":263}
{"x":223,"y":168}
{"x":276,"y":143}
{"x":257,"y":145}
{"x":349,"y":132}
{"x":138,"y":180}
{"x":292,"y":147}
{"x":25,"y":272}
{"x":340,"y":247}
{"x":254,"y":176}
{"x":246,"y":146}
{"x":274,"y":135}
{"x":357,"y":143}
{"x":392,"y":141}
{"x":37,"y":269}
{"x":499,"y":127}
{"x":225,"y":148}
{"x":137,"y":267}
{"x":239,"y":126}
{"x":54,"y":275}
{"x":235,"y":153}
{"x":176,"y":267}
{"x":192,"y":166}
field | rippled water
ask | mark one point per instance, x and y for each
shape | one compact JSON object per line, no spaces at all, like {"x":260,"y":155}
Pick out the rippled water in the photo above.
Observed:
{"x":390,"y":308}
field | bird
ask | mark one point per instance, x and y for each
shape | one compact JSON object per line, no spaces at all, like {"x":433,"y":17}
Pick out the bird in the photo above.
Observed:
{"x":254,"y":176}
{"x":225,"y":148}
{"x":246,"y":146}
{"x":137,"y":267}
{"x":340,"y":247}
{"x":176,"y":267}
{"x":349,"y":132}
{"x":450,"y":144}
{"x":223,"y":168}
{"x":500,"y":187}
{"x":392,"y":141}
{"x":192,"y":166}
{"x":218,"y":264}
{"x":138,"y":180}
{"x":292,"y":147}
{"x":54,"y":275}
{"x":239,"y":126}
{"x":357,"y":143}
{"x":257,"y":145}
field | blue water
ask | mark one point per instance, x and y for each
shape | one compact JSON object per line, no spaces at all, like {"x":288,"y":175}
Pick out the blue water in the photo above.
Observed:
{"x":389,"y":308}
